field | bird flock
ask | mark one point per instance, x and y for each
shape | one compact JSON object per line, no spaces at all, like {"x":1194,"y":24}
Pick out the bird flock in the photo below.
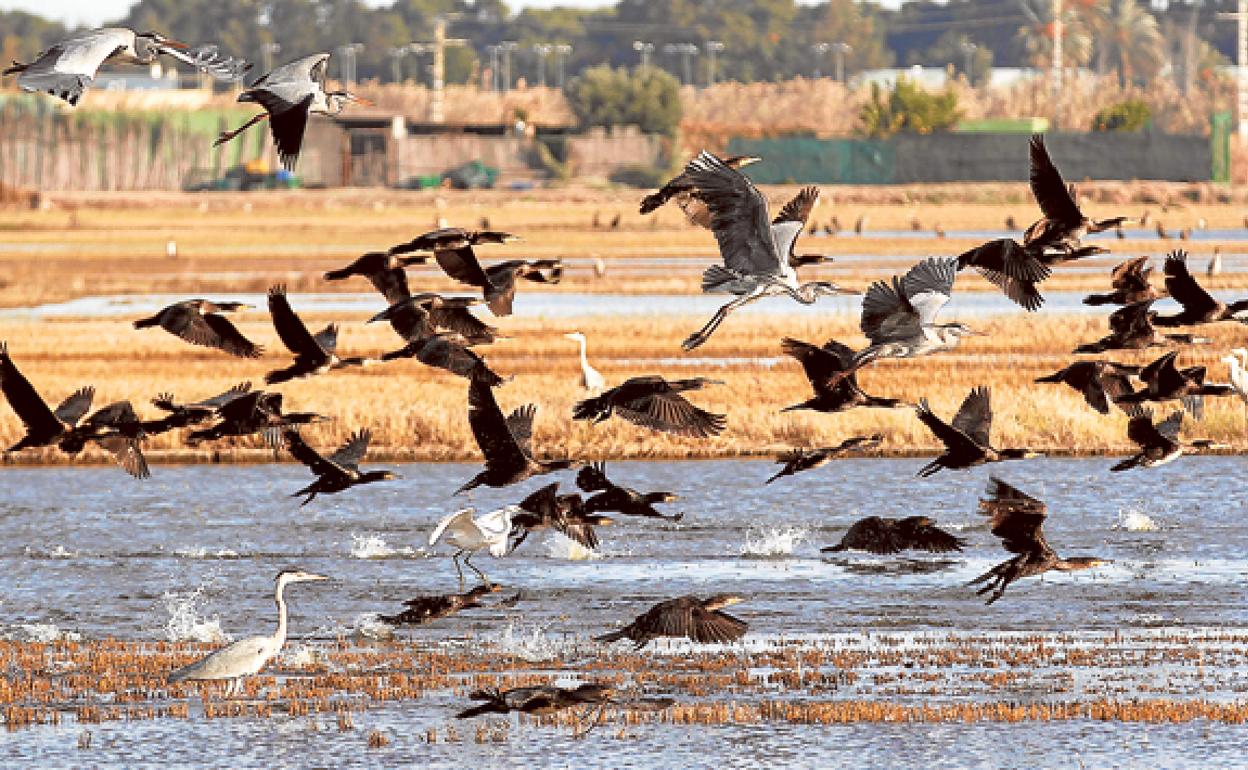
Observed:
{"x":899,"y":317}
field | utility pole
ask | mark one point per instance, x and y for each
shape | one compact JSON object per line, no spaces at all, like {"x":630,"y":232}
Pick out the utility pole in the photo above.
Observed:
{"x":645,"y":49}
{"x":686,"y":50}
{"x":562,"y":52}
{"x":839,"y":50}
{"x":819,"y":50}
{"x":968,"y":53}
{"x":1241,"y":67}
{"x":507,"y":47}
{"x":713,"y":47}
{"x":542,"y":50}
{"x":493,"y":51}
{"x":1056,"y":65}
{"x":396,"y":55}
{"x":348,"y":53}
{"x":267,"y":50}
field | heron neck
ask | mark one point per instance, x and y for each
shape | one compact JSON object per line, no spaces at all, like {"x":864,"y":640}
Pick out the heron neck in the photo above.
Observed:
{"x":584,"y":357}
{"x":280,"y":634}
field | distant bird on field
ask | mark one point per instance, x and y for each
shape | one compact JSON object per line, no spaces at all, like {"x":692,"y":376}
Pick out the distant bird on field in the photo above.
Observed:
{"x":1199,"y":307}
{"x":69,"y":66}
{"x":699,"y":620}
{"x":887,"y":536}
{"x":798,"y":460}
{"x":246,"y":657}
{"x":967,"y":439}
{"x":1018,"y":519}
{"x":655,"y":403}
{"x":1063,"y":224}
{"x":337,"y":472}
{"x":200,"y":322}
{"x":686,"y":194}
{"x":289,"y":94}
{"x":505,"y":442}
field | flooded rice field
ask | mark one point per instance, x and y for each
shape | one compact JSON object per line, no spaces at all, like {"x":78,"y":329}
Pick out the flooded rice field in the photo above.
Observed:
{"x":851,"y":659}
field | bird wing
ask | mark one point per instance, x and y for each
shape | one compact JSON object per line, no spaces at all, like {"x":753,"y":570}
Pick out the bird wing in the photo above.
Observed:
{"x":495,"y":526}
{"x":1183,"y":287}
{"x":1130,"y":275}
{"x":593,"y":477}
{"x":1050,"y":191}
{"x":1162,"y":373}
{"x":218,"y":401}
{"x":953,"y":439}
{"x":520,"y":423}
{"x":1169,"y":427}
{"x":241,"y":658}
{"x":327,"y":338}
{"x":1140,"y":427}
{"x":714,"y":627}
{"x":820,"y":364}
{"x":301,"y":451}
{"x":288,"y":120}
{"x":290,"y":328}
{"x":392,"y":283}
{"x":791,"y":221}
{"x":1127,"y":318}
{"x":544,"y":501}
{"x":1016,"y":517}
{"x":68,"y":67}
{"x":490,"y":428}
{"x":928,"y":286}
{"x":128,"y":453}
{"x":974,"y":417}
{"x":227,"y":336}
{"x":114,"y":415}
{"x":25,"y":400}
{"x":872,"y":534}
{"x":351,"y":453}
{"x":462,"y":265}
{"x":739,"y":217}
{"x":935,"y":540}
{"x":462,"y":321}
{"x":72,"y":409}
{"x":446,"y":522}
{"x":887,"y":314}
{"x":652,"y":404}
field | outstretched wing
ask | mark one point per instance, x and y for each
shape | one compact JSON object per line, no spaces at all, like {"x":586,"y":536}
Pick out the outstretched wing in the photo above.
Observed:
{"x":350,"y":453}
{"x":928,"y":286}
{"x":789,"y":223}
{"x":739,"y":216}
{"x":953,"y":439}
{"x":72,"y":409}
{"x":1131,"y":275}
{"x":305,"y":454}
{"x":1048,"y":188}
{"x":25,"y":400}
{"x":290,"y":328}
{"x":462,"y":265}
{"x":1016,"y":517}
{"x":1183,"y":287}
{"x":520,"y":423}
{"x":974,"y":417}
{"x":491,"y":430}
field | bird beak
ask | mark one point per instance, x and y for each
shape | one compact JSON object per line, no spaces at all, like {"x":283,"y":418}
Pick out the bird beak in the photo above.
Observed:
{"x":977,"y":333}
{"x":313,"y":576}
{"x":175,"y":44}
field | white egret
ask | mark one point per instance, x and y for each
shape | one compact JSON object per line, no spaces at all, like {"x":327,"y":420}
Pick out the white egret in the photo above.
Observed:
{"x":591,"y":379}
{"x":246,"y":656}
{"x":1238,"y":371}
{"x":470,"y":534}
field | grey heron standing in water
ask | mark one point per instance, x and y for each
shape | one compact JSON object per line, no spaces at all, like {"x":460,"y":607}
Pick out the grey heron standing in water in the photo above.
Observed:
{"x":246,"y":656}
{"x":756,"y":252}
{"x":68,"y":67}
{"x":288,"y":95}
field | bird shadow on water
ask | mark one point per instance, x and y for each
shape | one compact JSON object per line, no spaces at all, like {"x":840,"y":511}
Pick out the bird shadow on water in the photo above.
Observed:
{"x":894,"y":566}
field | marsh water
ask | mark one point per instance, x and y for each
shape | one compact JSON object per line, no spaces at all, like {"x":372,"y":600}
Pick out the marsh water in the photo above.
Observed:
{"x":190,"y":555}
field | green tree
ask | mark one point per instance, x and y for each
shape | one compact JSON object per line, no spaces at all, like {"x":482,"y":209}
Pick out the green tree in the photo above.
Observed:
{"x":1127,"y":39}
{"x":907,"y":108}
{"x":614,"y":96}
{"x":845,"y":21}
{"x":957,"y":49}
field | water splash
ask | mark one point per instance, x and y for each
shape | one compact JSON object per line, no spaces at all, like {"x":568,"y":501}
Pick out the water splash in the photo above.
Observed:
{"x":367,"y":625}
{"x":376,"y":547}
{"x":560,"y":546}
{"x":203,"y":553}
{"x":1135,"y":520}
{"x":43,"y":633}
{"x":529,"y":642}
{"x":185,"y":624}
{"x":767,"y":542}
{"x":302,"y":656}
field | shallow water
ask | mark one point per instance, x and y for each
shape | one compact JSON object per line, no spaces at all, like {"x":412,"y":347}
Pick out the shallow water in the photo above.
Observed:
{"x":191,"y":554}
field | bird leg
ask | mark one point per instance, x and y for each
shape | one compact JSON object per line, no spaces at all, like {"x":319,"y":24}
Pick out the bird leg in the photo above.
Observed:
{"x":458,"y":570}
{"x":704,"y":334}
{"x":582,"y":729}
{"x":480,"y":574}
{"x":226,"y":136}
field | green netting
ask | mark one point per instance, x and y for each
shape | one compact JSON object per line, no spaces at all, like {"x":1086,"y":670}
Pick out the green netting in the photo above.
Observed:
{"x":803,"y":160}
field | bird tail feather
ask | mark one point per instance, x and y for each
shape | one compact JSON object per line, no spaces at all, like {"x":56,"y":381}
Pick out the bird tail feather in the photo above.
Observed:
{"x":716,"y":277}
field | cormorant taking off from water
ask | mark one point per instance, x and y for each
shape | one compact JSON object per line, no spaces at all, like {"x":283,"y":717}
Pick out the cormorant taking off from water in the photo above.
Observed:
{"x":505,"y":442}
{"x":1131,"y":284}
{"x":1131,"y":328}
{"x":1160,"y":443}
{"x":339,"y":471}
{"x":700,"y":620}
{"x":966,"y":440}
{"x":288,"y":95}
{"x":566,"y":514}
{"x":887,"y":536}
{"x":1010,"y":267}
{"x":617,"y":499}
{"x":314,"y":353}
{"x":687,"y":195}
{"x":540,"y":699}
{"x":1063,"y":224}
{"x":755,"y":252}
{"x":246,"y":657}
{"x":799,"y":460}
{"x":425,"y":609}
{"x":822,"y":367}
{"x":1100,"y":382}
{"x":1018,"y":519}
{"x":1199,"y":307}
{"x":655,"y":403}
{"x":199,"y":322}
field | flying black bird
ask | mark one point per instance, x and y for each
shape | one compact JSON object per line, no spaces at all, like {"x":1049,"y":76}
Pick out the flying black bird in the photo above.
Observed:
{"x":339,"y":471}
{"x":426,"y":609}
{"x":682,"y":188}
{"x":966,"y":440}
{"x":416,"y":320}
{"x":1130,"y":281}
{"x":566,"y":514}
{"x":1131,"y":328}
{"x":1163,"y":381}
{"x":1100,"y":382}
{"x":383,"y":270}
{"x":1063,"y":224}
{"x":44,"y":426}
{"x":255,"y":412}
{"x":314,"y":353}
{"x":1199,"y":307}
{"x":194,"y":413}
{"x":655,"y":403}
{"x":617,"y":499}
{"x":798,"y":460}
{"x":832,"y":394}
{"x":541,"y":699}
{"x":116,"y":428}
{"x":199,"y":322}
{"x":506,"y":442}
{"x":1018,"y":519}
{"x":700,"y":620}
{"x":1011,"y":267}
{"x":1160,"y":443}
{"x":888,"y":536}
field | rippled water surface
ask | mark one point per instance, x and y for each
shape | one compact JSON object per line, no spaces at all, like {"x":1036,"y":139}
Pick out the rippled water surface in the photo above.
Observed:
{"x":191,"y":554}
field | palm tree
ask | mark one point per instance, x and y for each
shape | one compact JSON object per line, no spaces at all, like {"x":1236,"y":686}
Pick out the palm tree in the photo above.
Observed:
{"x":1127,"y":39}
{"x":1036,"y":36}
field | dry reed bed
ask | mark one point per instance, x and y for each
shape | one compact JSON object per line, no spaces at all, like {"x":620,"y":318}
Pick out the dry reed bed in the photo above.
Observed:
{"x":982,"y":677}
{"x":418,"y":413}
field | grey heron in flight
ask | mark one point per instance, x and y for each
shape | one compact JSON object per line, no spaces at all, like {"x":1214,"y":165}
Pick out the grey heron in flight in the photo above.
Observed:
{"x":246,"y":657}
{"x":288,"y":95}
{"x":757,"y":252}
{"x":687,"y":195}
{"x":67,"y":68}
